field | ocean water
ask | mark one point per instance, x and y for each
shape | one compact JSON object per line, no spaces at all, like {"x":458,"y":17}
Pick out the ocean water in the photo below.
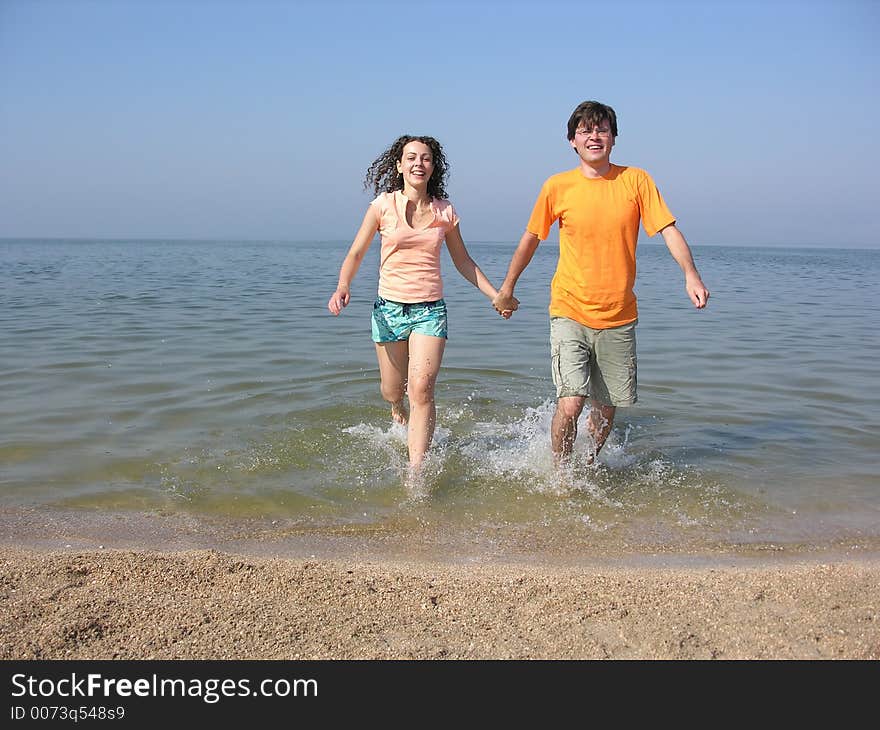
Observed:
{"x":207,"y":380}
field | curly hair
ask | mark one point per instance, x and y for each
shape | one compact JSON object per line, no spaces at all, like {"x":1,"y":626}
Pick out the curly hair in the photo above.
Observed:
{"x":382,"y":175}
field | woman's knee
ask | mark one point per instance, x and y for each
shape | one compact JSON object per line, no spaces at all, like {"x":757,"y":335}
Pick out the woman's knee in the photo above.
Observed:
{"x":421,"y":391}
{"x":392,"y":392}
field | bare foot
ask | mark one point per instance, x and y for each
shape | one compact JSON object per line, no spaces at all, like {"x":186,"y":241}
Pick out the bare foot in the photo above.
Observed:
{"x":399,"y":414}
{"x":415,"y":482}
{"x":565,"y":477}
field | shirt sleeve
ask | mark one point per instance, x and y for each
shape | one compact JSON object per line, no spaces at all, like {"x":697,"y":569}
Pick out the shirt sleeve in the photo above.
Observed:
{"x":447,"y":214}
{"x":453,"y":216}
{"x":655,"y":215}
{"x":380,"y":207}
{"x":543,"y":216}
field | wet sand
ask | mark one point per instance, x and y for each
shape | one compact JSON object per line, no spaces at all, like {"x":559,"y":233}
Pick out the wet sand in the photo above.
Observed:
{"x":128,"y":600}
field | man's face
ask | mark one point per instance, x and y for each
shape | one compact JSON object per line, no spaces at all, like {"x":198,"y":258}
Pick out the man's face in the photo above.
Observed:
{"x":593,"y":143}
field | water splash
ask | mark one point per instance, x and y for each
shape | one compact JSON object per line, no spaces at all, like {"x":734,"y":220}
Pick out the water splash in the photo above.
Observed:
{"x":490,"y":463}
{"x":500,"y":453}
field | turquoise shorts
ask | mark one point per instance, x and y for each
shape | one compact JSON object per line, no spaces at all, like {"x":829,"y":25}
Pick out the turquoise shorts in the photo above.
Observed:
{"x":396,"y":321}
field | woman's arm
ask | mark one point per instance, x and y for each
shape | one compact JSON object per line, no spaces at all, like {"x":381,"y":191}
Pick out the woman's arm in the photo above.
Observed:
{"x":468,"y":268}
{"x":350,"y":265}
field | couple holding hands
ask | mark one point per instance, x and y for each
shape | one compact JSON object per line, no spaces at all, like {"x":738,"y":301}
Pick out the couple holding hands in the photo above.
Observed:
{"x":593,"y":314}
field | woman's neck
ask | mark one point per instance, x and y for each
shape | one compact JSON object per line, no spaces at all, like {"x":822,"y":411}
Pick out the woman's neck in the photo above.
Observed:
{"x":419,"y":196}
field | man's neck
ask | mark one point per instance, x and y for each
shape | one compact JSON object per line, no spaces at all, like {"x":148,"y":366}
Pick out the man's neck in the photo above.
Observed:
{"x":595,"y":171}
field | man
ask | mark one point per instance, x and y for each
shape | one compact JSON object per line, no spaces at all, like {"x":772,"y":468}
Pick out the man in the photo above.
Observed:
{"x":593,"y":310}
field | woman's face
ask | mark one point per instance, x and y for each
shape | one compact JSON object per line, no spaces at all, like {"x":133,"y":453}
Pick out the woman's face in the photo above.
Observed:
{"x":416,"y":164}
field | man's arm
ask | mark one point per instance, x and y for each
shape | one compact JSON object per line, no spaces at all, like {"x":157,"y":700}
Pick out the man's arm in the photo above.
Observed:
{"x":681,"y":252}
{"x":528,"y":244}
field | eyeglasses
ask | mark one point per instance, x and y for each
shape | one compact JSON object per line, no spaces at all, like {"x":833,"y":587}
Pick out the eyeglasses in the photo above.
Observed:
{"x":603,"y":132}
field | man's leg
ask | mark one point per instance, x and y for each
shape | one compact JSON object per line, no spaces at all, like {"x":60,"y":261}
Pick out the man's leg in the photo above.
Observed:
{"x":612,"y":380}
{"x":563,"y":429}
{"x":600,"y":422}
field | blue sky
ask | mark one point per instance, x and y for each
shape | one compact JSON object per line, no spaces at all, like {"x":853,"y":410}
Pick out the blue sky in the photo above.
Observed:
{"x":256,"y":120}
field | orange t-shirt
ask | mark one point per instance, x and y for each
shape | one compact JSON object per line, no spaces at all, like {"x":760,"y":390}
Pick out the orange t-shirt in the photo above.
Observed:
{"x":598,"y":233}
{"x":409,"y":263}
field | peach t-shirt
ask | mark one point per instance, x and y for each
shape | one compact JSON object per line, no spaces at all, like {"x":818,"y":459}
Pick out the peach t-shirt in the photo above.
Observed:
{"x":598,"y":233}
{"x":409,"y":262}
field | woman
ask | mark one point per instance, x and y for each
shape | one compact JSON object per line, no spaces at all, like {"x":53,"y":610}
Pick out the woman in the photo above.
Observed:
{"x":414,"y":217}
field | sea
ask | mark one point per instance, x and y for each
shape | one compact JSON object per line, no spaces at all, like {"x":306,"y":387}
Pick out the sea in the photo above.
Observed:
{"x":176,"y":394}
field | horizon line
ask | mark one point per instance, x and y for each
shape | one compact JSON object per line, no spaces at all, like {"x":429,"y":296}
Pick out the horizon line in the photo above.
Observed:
{"x":511,"y":242}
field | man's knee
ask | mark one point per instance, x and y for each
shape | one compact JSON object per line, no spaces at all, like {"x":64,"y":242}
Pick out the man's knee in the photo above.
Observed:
{"x":571,"y":406}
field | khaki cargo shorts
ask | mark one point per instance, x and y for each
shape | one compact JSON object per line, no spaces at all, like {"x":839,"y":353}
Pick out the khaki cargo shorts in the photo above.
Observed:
{"x":599,"y":364}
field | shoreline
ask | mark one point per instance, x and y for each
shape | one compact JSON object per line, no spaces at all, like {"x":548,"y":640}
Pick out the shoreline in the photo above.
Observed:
{"x":640,"y":545}
{"x":44,"y":528}
{"x":340,"y":594}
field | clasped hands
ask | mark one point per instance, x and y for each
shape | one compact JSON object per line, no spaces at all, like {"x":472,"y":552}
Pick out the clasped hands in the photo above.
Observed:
{"x":505,"y":304}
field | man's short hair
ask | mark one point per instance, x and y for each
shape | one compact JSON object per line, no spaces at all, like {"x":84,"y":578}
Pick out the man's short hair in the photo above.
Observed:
{"x":591,"y":114}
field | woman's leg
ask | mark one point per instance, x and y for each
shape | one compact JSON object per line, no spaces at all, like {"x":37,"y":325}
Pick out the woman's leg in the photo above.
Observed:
{"x":393,"y":366}
{"x":425,"y":356}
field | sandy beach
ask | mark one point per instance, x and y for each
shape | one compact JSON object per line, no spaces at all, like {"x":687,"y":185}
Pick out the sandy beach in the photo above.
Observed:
{"x":111,"y":603}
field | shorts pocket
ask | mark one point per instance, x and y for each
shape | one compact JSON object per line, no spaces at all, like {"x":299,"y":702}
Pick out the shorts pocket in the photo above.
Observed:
{"x":555,"y":365}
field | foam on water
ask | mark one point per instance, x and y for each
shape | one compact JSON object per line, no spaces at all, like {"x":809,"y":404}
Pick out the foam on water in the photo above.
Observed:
{"x":515,"y":452}
{"x":501,"y":470}
{"x":389,"y":441}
